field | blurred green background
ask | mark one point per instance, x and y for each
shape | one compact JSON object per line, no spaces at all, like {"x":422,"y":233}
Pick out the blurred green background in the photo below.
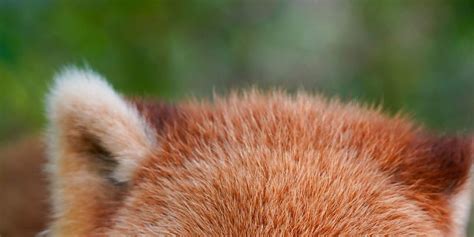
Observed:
{"x":413,"y":56}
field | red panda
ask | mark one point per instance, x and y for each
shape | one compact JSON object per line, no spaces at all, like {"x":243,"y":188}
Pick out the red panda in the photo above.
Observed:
{"x":249,"y":164}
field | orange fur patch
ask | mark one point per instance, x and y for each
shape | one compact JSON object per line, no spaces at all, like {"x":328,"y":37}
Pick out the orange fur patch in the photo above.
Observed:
{"x":257,"y":164}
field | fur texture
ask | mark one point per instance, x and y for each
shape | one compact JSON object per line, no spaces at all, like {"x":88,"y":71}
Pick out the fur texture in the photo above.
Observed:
{"x":250,"y":164}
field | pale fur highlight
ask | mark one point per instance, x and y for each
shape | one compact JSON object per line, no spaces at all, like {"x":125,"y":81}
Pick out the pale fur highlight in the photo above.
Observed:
{"x":461,"y":204}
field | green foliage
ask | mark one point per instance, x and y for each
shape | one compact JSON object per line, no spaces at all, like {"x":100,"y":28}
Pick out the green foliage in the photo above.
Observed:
{"x":414,"y":56}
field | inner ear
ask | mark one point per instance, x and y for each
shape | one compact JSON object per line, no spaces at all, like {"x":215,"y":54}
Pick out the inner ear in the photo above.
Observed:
{"x":103,"y":161}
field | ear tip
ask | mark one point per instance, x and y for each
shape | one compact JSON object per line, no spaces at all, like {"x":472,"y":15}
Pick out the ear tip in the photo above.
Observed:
{"x":73,"y":78}
{"x":72,"y":84}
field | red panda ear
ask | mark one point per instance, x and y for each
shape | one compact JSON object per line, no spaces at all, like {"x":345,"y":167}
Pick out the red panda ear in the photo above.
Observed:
{"x":453,"y":157}
{"x":437,"y":171}
{"x":439,"y":164}
{"x":96,"y":140}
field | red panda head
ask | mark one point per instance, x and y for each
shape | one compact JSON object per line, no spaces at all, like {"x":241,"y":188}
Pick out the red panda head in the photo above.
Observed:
{"x":250,"y":164}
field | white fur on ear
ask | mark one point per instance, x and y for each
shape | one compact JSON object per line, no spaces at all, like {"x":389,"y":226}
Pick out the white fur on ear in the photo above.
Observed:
{"x":461,"y":204}
{"x":83,"y":101}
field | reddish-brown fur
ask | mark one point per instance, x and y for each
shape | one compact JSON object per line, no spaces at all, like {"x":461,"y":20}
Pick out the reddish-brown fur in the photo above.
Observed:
{"x":23,"y":199}
{"x":427,"y":169}
{"x":257,"y":164}
{"x":250,"y":164}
